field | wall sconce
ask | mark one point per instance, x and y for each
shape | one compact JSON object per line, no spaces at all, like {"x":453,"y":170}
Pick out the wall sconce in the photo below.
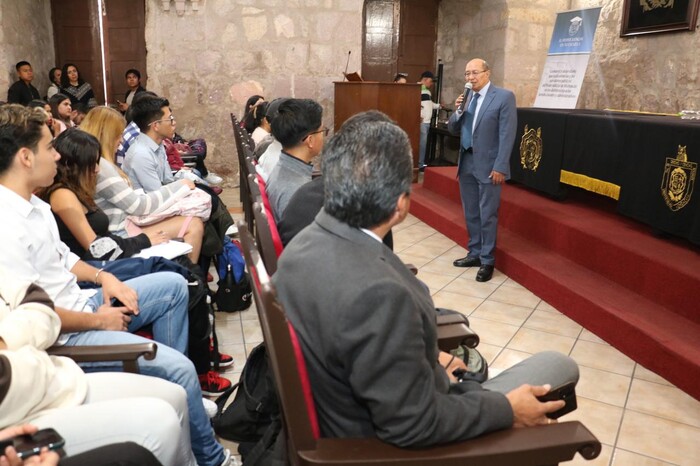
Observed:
{"x":180,"y":5}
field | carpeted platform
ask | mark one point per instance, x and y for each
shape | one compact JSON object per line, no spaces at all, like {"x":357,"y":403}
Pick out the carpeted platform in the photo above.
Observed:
{"x":638,"y":292}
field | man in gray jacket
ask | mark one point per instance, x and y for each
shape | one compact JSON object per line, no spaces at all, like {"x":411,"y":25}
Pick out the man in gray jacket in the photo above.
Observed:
{"x":366,"y":326}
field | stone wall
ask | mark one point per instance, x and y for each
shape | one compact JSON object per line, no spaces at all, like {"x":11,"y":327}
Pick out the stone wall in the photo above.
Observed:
{"x":210,"y":61}
{"x":657,"y":72}
{"x":25,"y":34}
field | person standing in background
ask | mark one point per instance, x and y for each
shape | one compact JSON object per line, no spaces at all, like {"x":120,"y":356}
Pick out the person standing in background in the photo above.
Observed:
{"x":487,"y":128}
{"x":426,"y":114}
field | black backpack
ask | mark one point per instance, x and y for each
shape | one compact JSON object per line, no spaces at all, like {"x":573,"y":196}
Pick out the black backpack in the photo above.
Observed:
{"x":253,"y":417}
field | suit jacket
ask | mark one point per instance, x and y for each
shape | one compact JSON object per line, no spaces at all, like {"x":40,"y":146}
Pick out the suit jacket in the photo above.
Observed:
{"x":494,"y":133}
{"x":368,"y":333}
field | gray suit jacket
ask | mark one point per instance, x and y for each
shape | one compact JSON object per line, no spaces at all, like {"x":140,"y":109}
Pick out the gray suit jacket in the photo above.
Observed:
{"x":368,"y":333}
{"x":494,"y":133}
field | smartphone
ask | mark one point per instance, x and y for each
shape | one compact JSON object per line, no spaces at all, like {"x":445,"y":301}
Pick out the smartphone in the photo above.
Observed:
{"x":30,"y":445}
{"x":565,"y":392}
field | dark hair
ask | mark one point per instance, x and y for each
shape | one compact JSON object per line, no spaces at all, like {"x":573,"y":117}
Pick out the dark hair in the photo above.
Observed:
{"x":37,"y":103}
{"x":20,"y":127}
{"x":295,"y":119}
{"x":54,"y":101}
{"x":141,"y":95}
{"x":133,"y":71}
{"x":80,"y":107}
{"x":52,"y":71}
{"x":366,"y":166}
{"x":400,"y":76}
{"x":80,"y":153}
{"x":255,"y":117}
{"x":146,"y":110}
{"x":249,"y":104}
{"x":21,"y":64}
{"x":65,"y":82}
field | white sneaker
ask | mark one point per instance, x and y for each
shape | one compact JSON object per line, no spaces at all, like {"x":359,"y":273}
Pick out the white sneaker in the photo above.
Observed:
{"x":213,"y":178}
{"x":210,"y":407}
{"x":229,"y":459}
{"x":231,"y":231}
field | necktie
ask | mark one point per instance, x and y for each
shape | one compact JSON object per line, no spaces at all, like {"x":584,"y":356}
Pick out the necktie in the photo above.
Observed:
{"x":469,"y":123}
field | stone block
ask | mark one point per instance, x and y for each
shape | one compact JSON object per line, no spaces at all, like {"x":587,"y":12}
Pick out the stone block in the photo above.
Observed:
{"x":255,"y":27}
{"x":284,"y":26}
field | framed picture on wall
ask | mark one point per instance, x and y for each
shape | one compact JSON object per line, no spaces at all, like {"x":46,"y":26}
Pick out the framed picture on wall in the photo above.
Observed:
{"x":650,"y":16}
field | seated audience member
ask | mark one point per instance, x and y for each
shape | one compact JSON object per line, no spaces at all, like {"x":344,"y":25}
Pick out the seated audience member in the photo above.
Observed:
{"x":77,"y":114}
{"x":133,"y":83}
{"x":400,"y":78}
{"x":75,"y":87}
{"x":55,"y":80}
{"x":131,"y":131}
{"x":115,"y":196}
{"x":83,"y":226}
{"x":61,"y":112}
{"x":377,"y":374}
{"x":298,"y":127}
{"x":30,"y":247}
{"x":268,"y":151}
{"x":262,"y":127}
{"x":22,"y":92}
{"x":246,"y":122}
{"x":88,"y":410}
{"x":53,"y":125}
{"x":146,"y":163}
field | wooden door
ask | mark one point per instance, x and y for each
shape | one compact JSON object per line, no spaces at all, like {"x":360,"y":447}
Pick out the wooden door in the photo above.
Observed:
{"x":77,"y":39}
{"x":125,"y":44}
{"x":417,"y":38}
{"x":399,"y":36}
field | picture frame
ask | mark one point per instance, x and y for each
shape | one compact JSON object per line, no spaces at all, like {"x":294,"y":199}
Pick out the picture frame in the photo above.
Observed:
{"x":651,"y":16}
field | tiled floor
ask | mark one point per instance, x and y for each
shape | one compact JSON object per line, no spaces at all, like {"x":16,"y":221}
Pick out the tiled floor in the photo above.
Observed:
{"x":641,"y":419}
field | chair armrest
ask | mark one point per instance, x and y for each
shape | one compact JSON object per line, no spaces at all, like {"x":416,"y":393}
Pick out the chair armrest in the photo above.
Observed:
{"x":128,"y":354}
{"x":541,"y":445}
{"x":450,"y":336}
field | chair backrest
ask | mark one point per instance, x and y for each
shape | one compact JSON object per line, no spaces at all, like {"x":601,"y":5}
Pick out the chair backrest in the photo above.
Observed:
{"x":279,"y":247}
{"x":295,"y":396}
{"x":268,"y":237}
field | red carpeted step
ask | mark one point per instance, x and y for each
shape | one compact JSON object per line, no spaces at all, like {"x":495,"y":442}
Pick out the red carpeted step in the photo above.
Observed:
{"x":654,"y":336}
{"x":625,"y":251}
{"x":608,"y":273}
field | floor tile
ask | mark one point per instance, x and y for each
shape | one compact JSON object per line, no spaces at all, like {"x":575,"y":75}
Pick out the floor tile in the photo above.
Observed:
{"x":470,"y":287}
{"x":553,"y":323}
{"x":444,"y":266}
{"x":545,"y":306}
{"x":512,"y":295}
{"x":602,"y":357}
{"x":641,"y":372}
{"x":237,"y":351}
{"x":602,"y":419}
{"x":501,"y":312}
{"x":456,"y":302}
{"x":229,"y":332}
{"x":508,"y":358}
{"x":425,"y":249}
{"x":534,"y":341}
{"x":417,"y":261}
{"x":660,"y":438}
{"x":627,"y":458}
{"x":435,"y":281}
{"x":252,"y":333}
{"x":664,"y":401}
{"x":587,"y":335}
{"x":491,"y":332}
{"x":513,"y":284}
{"x":603,"y":386}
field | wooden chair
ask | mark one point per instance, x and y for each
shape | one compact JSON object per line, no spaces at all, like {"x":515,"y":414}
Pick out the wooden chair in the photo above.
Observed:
{"x":127,"y":354}
{"x":268,"y":237}
{"x":541,"y":445}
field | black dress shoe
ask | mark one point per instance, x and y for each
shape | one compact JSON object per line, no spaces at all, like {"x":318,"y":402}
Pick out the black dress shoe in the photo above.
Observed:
{"x":485,"y":273}
{"x":467,"y":262}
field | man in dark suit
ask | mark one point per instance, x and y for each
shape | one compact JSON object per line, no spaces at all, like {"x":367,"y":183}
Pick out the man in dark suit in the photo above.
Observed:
{"x":487,"y":125}
{"x":367,"y":328}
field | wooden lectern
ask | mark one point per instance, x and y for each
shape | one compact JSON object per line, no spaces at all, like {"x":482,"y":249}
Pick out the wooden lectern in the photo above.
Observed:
{"x":401,"y":102}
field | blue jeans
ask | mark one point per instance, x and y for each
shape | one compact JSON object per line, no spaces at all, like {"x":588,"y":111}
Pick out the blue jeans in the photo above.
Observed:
{"x":163,"y":300}
{"x":424,"y":128}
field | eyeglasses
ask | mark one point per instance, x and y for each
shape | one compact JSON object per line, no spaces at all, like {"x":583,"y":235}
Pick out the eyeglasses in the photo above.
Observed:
{"x":474,"y":73}
{"x":171,"y":119}
{"x":324,"y":130}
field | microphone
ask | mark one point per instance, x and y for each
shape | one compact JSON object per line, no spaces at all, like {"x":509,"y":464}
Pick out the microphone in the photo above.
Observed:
{"x":467,"y":88}
{"x":345,"y":74}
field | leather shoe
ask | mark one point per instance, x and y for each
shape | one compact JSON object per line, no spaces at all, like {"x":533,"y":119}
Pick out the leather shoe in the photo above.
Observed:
{"x":467,"y":262}
{"x":485,"y":273}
